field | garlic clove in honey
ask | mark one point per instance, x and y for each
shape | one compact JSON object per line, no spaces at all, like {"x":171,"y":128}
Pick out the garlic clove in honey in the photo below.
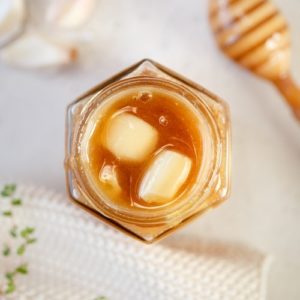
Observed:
{"x":165,"y":176}
{"x":70,"y":13}
{"x":108,"y":176}
{"x":12,"y":20}
{"x":130,"y":138}
{"x":34,"y":50}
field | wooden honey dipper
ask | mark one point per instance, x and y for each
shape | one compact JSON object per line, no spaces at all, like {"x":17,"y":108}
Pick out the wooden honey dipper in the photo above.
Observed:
{"x":256,"y":35}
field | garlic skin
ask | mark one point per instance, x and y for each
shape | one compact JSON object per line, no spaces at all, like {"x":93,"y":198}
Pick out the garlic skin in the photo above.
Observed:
{"x":70,"y":14}
{"x":12,"y":20}
{"x":33,"y":50}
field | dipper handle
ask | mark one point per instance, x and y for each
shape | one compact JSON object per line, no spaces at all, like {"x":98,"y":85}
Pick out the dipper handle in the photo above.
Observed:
{"x":291,"y":93}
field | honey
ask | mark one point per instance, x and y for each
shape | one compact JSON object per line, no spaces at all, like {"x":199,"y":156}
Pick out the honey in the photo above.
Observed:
{"x":175,"y":123}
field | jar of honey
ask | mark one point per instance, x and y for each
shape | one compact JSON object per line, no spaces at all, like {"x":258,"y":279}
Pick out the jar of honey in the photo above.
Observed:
{"x":147,"y":151}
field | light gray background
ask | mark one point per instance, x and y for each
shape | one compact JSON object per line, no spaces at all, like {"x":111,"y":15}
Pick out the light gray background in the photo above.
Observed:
{"x":264,"y":209}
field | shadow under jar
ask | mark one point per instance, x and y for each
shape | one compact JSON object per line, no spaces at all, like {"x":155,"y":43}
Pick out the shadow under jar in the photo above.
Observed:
{"x":147,"y":150}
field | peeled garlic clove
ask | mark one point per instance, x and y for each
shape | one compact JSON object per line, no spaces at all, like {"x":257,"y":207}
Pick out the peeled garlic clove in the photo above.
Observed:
{"x":33,"y":50}
{"x":108,"y":176}
{"x":70,"y":13}
{"x":130,"y":138}
{"x":12,"y":19}
{"x":165,"y":176}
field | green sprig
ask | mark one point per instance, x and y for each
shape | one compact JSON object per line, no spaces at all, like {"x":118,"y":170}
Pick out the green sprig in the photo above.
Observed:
{"x":14,"y":231}
{"x":7,"y":213}
{"x":11,"y":287}
{"x":31,"y":241}
{"x":10,"y":276}
{"x":21,"y":249}
{"x":26,"y":232}
{"x":8,"y":190}
{"x":16,"y":202}
{"x":24,"y":235}
{"x":6,"y":250}
{"x":22,"y":269}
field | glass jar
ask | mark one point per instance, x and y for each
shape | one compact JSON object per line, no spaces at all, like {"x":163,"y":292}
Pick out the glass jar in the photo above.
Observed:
{"x":212,"y":181}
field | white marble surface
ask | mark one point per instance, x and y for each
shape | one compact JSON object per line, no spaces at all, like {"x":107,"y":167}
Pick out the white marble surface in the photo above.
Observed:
{"x":264,"y":209}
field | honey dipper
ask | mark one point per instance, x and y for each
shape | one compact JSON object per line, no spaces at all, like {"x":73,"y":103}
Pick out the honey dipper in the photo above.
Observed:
{"x":256,"y":35}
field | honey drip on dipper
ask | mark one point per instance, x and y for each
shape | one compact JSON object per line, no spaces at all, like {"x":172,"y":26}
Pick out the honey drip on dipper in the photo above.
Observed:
{"x":256,"y":35}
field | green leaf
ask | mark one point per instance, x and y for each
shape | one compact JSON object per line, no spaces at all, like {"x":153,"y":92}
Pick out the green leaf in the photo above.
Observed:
{"x":31,"y":241}
{"x":21,"y":249}
{"x":10,"y":276}
{"x":8,"y":190}
{"x":11,"y":287}
{"x":27,"y":231}
{"x":101,"y":298}
{"x":16,"y":202}
{"x":13,"y":231}
{"x":6,"y":250}
{"x":22,"y":269}
{"x":7,"y":213}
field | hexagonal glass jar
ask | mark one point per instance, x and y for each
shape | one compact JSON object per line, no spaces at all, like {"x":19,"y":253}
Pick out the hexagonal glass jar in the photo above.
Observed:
{"x":213,"y":183}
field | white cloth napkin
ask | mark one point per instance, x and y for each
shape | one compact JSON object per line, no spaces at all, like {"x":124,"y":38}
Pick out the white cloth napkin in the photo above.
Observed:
{"x":77,"y":257}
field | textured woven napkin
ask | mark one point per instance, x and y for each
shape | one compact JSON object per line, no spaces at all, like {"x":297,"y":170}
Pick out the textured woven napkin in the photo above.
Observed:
{"x":76,"y":257}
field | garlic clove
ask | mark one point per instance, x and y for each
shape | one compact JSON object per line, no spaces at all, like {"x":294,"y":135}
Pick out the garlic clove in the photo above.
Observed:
{"x":34,"y":50}
{"x":12,"y":20}
{"x":130,"y":138}
{"x":70,"y":13}
{"x":165,"y":176}
{"x":108,"y":176}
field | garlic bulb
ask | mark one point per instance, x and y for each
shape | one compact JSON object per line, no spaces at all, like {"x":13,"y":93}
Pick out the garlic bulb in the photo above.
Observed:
{"x":12,"y":20}
{"x":70,"y":13}
{"x":34,"y":50}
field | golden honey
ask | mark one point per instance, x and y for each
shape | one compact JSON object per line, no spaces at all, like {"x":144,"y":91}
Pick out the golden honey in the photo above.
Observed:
{"x":174,"y":122}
